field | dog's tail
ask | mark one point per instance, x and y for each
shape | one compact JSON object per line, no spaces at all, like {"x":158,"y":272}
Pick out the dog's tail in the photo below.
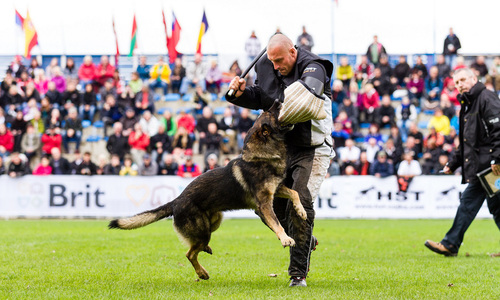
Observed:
{"x":144,"y":218}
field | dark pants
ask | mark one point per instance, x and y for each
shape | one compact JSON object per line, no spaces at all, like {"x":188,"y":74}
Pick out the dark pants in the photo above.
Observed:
{"x":300,"y":163}
{"x":470,"y":203}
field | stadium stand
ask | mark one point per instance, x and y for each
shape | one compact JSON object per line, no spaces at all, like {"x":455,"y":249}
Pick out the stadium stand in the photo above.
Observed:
{"x":183,"y":141}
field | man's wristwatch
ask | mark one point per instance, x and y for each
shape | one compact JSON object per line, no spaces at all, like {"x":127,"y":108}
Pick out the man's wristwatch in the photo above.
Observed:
{"x":493,"y":162}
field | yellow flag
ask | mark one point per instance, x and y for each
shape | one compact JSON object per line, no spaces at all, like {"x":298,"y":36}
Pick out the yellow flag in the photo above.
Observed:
{"x":31,"y":37}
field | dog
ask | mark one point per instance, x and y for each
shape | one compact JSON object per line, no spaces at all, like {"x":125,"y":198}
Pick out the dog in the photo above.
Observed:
{"x":250,"y":181}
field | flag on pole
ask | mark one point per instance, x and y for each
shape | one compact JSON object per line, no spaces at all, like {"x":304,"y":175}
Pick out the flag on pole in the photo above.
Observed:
{"x":116,"y":42}
{"x":173,"y":40}
{"x":133,"y":41}
{"x":165,"y":26}
{"x":203,"y":30}
{"x":30,"y":36}
{"x":19,"y":20}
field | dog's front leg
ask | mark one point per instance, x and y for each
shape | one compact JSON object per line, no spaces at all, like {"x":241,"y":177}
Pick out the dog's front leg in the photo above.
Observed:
{"x":284,"y":192}
{"x":266,"y":213}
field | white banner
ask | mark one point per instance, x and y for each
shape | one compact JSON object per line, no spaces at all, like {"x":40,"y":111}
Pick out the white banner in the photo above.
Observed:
{"x":115,"y":196}
{"x":372,"y":197}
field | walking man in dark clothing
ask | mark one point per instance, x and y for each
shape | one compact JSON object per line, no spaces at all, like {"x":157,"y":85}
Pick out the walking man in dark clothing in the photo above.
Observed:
{"x":479,"y":149}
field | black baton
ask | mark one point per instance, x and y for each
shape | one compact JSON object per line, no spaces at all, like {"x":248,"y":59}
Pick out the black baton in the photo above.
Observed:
{"x":231,"y":91}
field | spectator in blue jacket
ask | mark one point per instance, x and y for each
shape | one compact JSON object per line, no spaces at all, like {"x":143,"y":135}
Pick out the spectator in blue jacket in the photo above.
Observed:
{"x":381,"y":167}
{"x":143,"y":68}
{"x":433,"y":89}
{"x":111,"y":112}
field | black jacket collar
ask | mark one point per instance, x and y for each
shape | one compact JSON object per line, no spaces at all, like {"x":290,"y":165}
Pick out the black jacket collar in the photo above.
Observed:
{"x":472,"y":94}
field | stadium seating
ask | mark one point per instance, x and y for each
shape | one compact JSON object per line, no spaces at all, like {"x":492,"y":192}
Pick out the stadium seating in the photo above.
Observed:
{"x":172,"y":97}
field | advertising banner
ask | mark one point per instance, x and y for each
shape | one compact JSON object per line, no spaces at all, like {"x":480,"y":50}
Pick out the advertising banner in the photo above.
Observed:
{"x":116,"y":196}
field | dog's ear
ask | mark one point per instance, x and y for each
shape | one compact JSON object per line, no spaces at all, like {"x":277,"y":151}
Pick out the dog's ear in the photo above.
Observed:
{"x":275,"y":108}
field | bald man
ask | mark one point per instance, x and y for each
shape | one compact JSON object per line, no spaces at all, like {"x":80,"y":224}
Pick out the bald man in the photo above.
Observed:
{"x":309,"y":144}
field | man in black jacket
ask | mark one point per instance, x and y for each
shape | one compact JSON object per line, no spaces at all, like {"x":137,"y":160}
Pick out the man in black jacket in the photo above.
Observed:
{"x":479,"y":149}
{"x":451,"y":46}
{"x":17,"y":167}
{"x":86,"y":167}
{"x":59,"y":164}
{"x":202,"y":126}
{"x":72,"y":129}
{"x":160,"y":144}
{"x":309,"y":144}
{"x":385,"y":114}
{"x":117,"y":142}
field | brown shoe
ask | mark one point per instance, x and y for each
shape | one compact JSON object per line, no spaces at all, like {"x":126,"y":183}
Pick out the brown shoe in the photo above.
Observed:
{"x":439,"y":248}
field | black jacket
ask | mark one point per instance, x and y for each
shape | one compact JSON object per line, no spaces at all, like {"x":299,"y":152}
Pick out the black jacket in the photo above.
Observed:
{"x":401,"y":71}
{"x":443,"y":70}
{"x":109,"y":169}
{"x":86,"y":168}
{"x":89,"y":98}
{"x":72,"y":96}
{"x":118,"y":145}
{"x":21,"y":169}
{"x":479,"y":132}
{"x":164,"y":139}
{"x":202,"y":124}
{"x":383,"y":111}
{"x":61,"y":166}
{"x":75,"y":124}
{"x":451,"y":40}
{"x":244,"y":125}
{"x":8,"y":99}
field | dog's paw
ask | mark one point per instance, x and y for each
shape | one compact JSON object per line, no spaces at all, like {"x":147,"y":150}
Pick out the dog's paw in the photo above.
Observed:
{"x":301,"y":212}
{"x":203,"y":274}
{"x":287,"y":241}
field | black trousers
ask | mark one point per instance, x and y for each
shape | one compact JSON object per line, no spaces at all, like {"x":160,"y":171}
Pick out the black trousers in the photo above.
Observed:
{"x":472,"y":199}
{"x":306,"y":169}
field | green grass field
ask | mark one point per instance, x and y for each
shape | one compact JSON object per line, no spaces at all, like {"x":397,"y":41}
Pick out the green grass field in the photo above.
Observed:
{"x":356,"y":259}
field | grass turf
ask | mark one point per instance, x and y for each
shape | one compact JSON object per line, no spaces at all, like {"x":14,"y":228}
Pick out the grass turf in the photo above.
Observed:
{"x":356,"y":259}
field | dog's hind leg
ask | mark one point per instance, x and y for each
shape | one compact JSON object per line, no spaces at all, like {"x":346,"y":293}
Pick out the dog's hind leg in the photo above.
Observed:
{"x":192,"y":256}
{"x":193,"y":227}
{"x":284,"y":192}
{"x":215,"y":221}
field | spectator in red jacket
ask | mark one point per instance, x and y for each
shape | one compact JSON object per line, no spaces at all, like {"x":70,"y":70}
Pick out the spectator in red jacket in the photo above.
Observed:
{"x":189,"y":169}
{"x":187,"y":121}
{"x":139,"y":142}
{"x":370,"y":101}
{"x":6,"y":141}
{"x":104,"y":71}
{"x":51,"y":139}
{"x":44,"y":167}
{"x":86,"y":73}
{"x":452,"y":92}
{"x":365,"y":67}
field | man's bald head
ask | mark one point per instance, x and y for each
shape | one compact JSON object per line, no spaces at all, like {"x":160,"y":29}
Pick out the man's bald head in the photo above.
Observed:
{"x":282,"y":53}
{"x":281,"y":41}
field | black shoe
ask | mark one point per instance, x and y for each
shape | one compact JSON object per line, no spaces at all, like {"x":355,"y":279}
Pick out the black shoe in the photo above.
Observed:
{"x":297,"y":281}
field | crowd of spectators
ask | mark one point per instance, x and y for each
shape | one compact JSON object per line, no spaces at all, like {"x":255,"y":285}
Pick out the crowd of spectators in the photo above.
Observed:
{"x":376,"y":109}
{"x":389,"y":102}
{"x":43,"y":113}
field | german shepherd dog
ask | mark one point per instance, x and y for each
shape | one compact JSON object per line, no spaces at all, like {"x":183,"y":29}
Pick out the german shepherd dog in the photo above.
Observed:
{"x":248,"y":182}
